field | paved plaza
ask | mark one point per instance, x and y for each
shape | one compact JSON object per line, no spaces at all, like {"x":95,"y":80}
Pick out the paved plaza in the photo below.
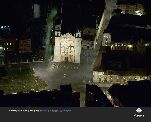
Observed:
{"x":77,"y":75}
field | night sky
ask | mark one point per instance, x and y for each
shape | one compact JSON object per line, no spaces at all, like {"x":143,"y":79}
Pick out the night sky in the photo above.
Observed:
{"x":19,"y":12}
{"x":11,"y":10}
{"x":15,"y":11}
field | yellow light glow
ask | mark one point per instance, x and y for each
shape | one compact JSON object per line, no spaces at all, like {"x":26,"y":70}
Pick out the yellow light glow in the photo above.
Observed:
{"x":138,"y":12}
{"x":130,"y":46}
{"x":146,"y":44}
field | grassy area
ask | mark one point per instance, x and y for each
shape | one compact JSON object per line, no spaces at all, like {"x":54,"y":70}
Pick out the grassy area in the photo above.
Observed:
{"x":21,"y":79}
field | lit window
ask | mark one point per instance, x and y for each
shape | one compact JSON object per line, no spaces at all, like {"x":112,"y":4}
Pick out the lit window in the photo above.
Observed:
{"x":146,"y":44}
{"x":7,"y":43}
{"x":4,"y":48}
{"x":10,"y":43}
{"x":7,"y":48}
{"x":130,"y":46}
{"x":138,"y":13}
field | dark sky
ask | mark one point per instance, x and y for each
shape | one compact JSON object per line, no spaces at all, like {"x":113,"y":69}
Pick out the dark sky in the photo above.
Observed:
{"x":11,"y":10}
{"x":14,"y":10}
{"x":20,"y":11}
{"x":77,"y":13}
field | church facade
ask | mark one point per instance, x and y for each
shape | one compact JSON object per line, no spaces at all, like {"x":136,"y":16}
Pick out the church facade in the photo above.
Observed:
{"x":67,"y":46}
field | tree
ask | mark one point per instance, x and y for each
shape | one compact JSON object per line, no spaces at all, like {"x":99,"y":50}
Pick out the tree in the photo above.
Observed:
{"x":140,"y":46}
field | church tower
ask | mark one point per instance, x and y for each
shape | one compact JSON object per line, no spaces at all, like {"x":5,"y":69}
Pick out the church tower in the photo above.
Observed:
{"x":67,"y":47}
{"x":78,"y":47}
{"x":57,"y":52}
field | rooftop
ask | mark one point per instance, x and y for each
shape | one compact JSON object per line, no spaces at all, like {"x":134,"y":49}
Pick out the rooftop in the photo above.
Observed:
{"x":135,"y":94}
{"x":95,"y":97}
{"x":126,"y":62}
{"x":129,"y":1}
{"x":129,"y":28}
{"x":64,"y":97}
{"x":129,"y":19}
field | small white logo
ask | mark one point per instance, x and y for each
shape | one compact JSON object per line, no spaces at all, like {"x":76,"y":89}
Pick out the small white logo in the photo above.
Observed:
{"x":139,"y":110}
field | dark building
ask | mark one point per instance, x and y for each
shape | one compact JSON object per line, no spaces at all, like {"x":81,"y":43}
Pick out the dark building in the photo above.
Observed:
{"x":130,"y":43}
{"x":95,"y":97}
{"x":129,"y":1}
{"x":128,"y":30}
{"x":135,"y":94}
{"x":125,"y":61}
{"x":64,"y":97}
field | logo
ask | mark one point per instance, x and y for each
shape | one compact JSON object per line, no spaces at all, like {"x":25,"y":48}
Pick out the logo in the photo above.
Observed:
{"x":139,"y":113}
{"x":139,"y":110}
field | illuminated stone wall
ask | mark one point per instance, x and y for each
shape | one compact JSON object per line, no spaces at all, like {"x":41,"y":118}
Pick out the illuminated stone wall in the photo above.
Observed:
{"x":122,"y":46}
{"x":67,"y":48}
{"x":106,"y":39}
{"x":57,"y":57}
{"x":101,"y":77}
{"x":78,"y":47}
{"x":136,"y":9}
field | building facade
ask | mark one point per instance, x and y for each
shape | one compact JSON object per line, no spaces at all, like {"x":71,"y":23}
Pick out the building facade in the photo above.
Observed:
{"x":88,"y":37}
{"x":107,"y":41}
{"x":105,"y":77}
{"x":67,"y":47}
{"x":135,"y":9}
{"x":9,"y":44}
